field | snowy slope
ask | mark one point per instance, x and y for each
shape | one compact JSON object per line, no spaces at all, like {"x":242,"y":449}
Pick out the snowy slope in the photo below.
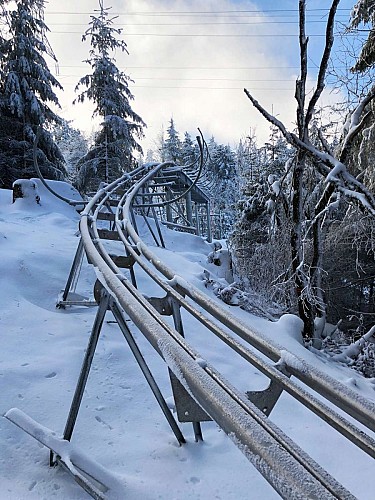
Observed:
{"x":120,"y":424}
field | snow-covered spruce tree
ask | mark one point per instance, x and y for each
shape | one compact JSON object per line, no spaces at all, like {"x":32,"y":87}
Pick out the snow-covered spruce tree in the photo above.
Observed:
{"x":221,"y":171}
{"x":364,"y":13}
{"x":115,"y":145}
{"x":72,"y":144}
{"x":172,"y":144}
{"x":332,"y":183}
{"x":26,"y":89}
{"x":189,"y":150}
{"x":3,"y":25}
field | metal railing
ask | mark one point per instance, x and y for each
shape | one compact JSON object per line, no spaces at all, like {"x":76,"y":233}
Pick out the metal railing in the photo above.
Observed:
{"x":243,"y":416}
{"x":288,"y":468}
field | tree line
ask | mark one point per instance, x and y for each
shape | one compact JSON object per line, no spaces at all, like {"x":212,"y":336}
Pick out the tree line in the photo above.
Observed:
{"x":298,"y":211}
{"x":28,"y":90}
{"x":305,"y":238}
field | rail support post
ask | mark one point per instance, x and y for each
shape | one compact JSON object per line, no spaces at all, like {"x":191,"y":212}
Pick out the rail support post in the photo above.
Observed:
{"x":85,"y":370}
{"x":187,"y":409}
{"x":209,"y":230}
{"x":146,"y":371}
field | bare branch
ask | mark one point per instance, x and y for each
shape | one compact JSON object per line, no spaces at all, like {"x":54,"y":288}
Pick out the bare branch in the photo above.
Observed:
{"x":300,"y":93}
{"x":355,"y":125}
{"x":270,"y":118}
{"x":324,"y":142}
{"x":324,"y":62}
{"x":330,"y":167}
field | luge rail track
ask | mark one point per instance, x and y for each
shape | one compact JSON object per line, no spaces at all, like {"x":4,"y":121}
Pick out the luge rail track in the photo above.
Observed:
{"x":200,"y":391}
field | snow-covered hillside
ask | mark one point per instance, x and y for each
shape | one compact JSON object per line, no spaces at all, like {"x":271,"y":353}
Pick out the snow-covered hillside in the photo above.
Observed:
{"x":120,"y":424}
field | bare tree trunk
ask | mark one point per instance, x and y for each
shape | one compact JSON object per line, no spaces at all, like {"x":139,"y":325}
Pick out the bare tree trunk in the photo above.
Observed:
{"x":305,"y":309}
{"x":305,"y":304}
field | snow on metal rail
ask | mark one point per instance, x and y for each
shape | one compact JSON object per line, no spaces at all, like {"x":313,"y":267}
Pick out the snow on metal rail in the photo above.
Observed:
{"x":285,"y":466}
{"x":342,"y":396}
{"x":244,"y":417}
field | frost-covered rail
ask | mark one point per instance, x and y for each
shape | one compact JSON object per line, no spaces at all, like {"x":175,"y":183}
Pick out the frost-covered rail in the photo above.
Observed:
{"x":290,"y":471}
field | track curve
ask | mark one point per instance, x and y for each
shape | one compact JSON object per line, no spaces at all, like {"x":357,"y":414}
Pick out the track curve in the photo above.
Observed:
{"x":284,"y":464}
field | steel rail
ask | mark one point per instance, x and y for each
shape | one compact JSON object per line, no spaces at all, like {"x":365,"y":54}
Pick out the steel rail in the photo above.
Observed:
{"x":297,"y":475}
{"x":347,"y":429}
{"x":334,"y":391}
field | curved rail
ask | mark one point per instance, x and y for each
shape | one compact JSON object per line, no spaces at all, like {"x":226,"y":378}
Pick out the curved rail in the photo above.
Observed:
{"x":287,"y":468}
{"x":339,"y":394}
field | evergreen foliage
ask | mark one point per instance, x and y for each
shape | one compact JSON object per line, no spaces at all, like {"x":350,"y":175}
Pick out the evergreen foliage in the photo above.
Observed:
{"x":221,"y":171}
{"x":108,"y":88}
{"x":26,"y":89}
{"x":364,"y":13}
{"x":72,"y":144}
{"x":172,"y":145}
{"x":189,"y":150}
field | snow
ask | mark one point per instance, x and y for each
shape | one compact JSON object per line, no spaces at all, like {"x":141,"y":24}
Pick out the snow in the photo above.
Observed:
{"x":120,"y":427}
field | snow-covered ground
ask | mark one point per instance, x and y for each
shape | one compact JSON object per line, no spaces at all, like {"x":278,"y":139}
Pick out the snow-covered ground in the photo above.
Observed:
{"x":120,"y":424}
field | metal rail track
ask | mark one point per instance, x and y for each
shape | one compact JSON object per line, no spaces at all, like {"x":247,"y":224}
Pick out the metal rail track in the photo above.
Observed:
{"x":285,"y":466}
{"x":290,"y":471}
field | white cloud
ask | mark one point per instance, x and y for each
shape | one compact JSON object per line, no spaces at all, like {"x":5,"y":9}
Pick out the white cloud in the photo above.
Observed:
{"x":190,"y":92}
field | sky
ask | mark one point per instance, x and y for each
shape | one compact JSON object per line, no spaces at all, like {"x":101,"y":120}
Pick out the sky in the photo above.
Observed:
{"x":190,"y":61}
{"x":120,"y":426}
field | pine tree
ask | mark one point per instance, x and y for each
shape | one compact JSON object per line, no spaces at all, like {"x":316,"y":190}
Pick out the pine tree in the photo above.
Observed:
{"x":26,"y":89}
{"x":172,"y":144}
{"x":188,"y":150}
{"x":72,"y":144}
{"x":364,"y":13}
{"x":115,"y":145}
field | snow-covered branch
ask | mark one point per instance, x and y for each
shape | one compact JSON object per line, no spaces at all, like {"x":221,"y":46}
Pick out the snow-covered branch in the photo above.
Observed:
{"x":355,"y":122}
{"x":330,"y":167}
{"x":355,"y":348}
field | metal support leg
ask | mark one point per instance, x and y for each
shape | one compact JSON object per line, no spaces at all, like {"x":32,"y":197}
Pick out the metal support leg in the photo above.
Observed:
{"x":158,"y":227}
{"x":168,"y":208}
{"x":197,"y":228}
{"x":197,"y":432}
{"x":209,"y":230}
{"x":131,"y":270}
{"x":146,"y":371}
{"x":176,"y":313}
{"x":86,"y":365}
{"x":85,"y":370}
{"x":134,"y":222}
{"x":132,"y":273}
{"x":73,"y":271}
{"x":189,"y":209}
{"x":149,"y":227}
{"x":177,"y":320}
